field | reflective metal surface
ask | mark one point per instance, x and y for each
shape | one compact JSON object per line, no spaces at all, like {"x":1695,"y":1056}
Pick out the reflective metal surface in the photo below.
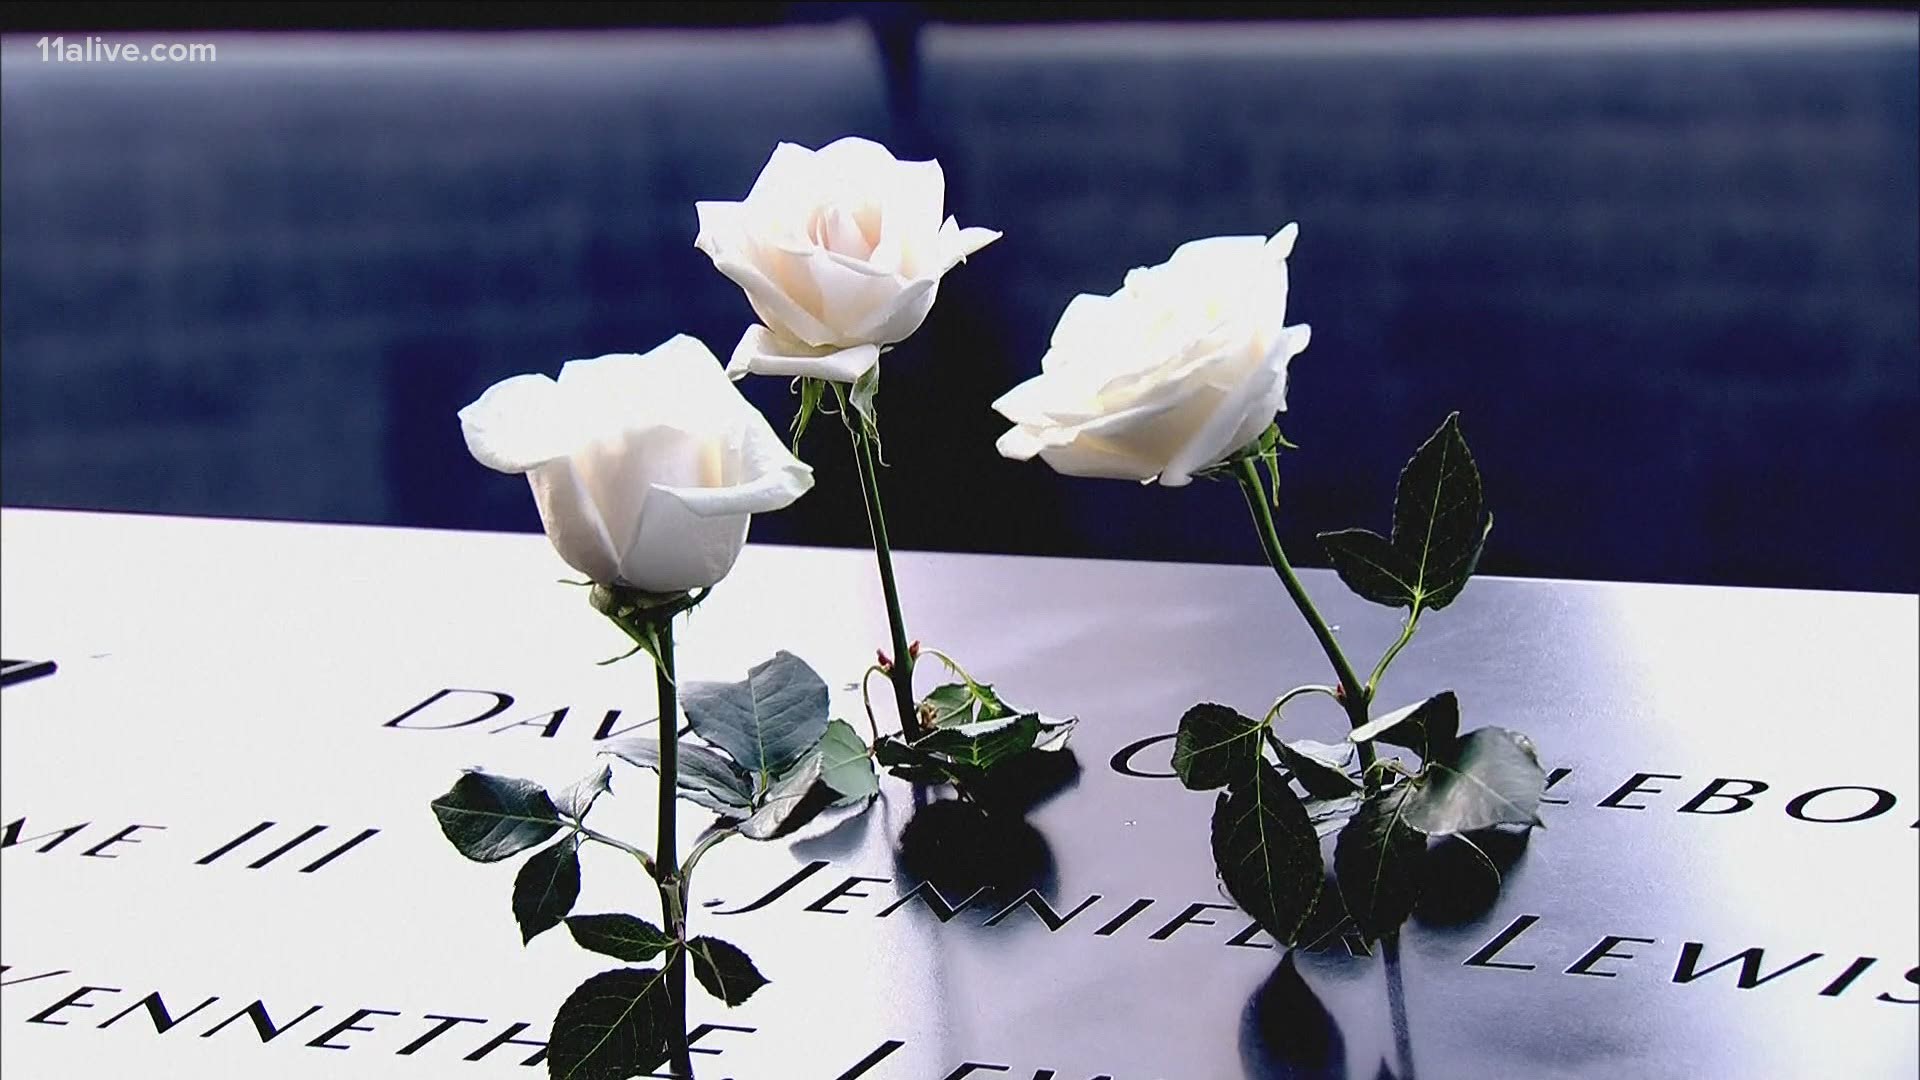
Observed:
{"x":1727,"y":890}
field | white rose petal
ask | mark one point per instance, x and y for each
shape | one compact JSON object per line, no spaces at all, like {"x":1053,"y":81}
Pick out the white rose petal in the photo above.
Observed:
{"x":773,"y":303}
{"x":1173,"y":373}
{"x":518,"y":424}
{"x":957,"y":243}
{"x":901,"y":315}
{"x":761,"y":350}
{"x":646,"y":469}
{"x":572,"y":523}
{"x":839,"y":251}
{"x":1229,"y":415}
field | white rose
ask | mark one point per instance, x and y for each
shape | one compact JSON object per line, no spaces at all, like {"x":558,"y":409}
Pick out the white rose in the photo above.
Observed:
{"x":840,"y":251}
{"x":646,"y":468}
{"x":1183,"y":366}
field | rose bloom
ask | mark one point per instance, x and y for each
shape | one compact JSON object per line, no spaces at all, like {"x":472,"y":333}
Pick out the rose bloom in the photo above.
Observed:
{"x":1183,"y":366}
{"x":840,"y":251}
{"x":646,"y":468}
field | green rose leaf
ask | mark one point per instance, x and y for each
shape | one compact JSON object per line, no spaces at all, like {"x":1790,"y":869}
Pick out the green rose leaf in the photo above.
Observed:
{"x":1313,"y":764}
{"x":1215,"y":746}
{"x":1368,"y":564}
{"x":724,"y":970}
{"x":893,"y":751}
{"x":845,"y":766}
{"x":615,"y":1025}
{"x":1267,"y":852}
{"x":1440,"y":527}
{"x":546,"y":887}
{"x":1438,"y":513}
{"x":1491,"y":776}
{"x":947,"y":706}
{"x":916,"y":766}
{"x":984,"y":744}
{"x":488,"y":817}
{"x":706,"y":778}
{"x":579,"y":797}
{"x":780,"y":800}
{"x":991,"y":705}
{"x":962,"y":753}
{"x":1377,"y":863}
{"x":953,"y":704}
{"x":766,"y":722}
{"x":1427,"y":728}
{"x":622,"y":937}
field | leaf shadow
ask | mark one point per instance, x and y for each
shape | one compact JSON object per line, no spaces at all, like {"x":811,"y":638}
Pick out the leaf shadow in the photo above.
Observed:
{"x":1287,"y":1033}
{"x":959,"y":846}
{"x":1459,"y":887}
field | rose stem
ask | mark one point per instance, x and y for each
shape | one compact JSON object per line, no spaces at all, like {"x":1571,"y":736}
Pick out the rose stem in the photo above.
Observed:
{"x":666,"y":852}
{"x":1352,"y":696}
{"x":901,"y":673}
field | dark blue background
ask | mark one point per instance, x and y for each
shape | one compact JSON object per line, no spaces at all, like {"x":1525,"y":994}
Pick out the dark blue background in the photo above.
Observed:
{"x":1665,"y":267}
